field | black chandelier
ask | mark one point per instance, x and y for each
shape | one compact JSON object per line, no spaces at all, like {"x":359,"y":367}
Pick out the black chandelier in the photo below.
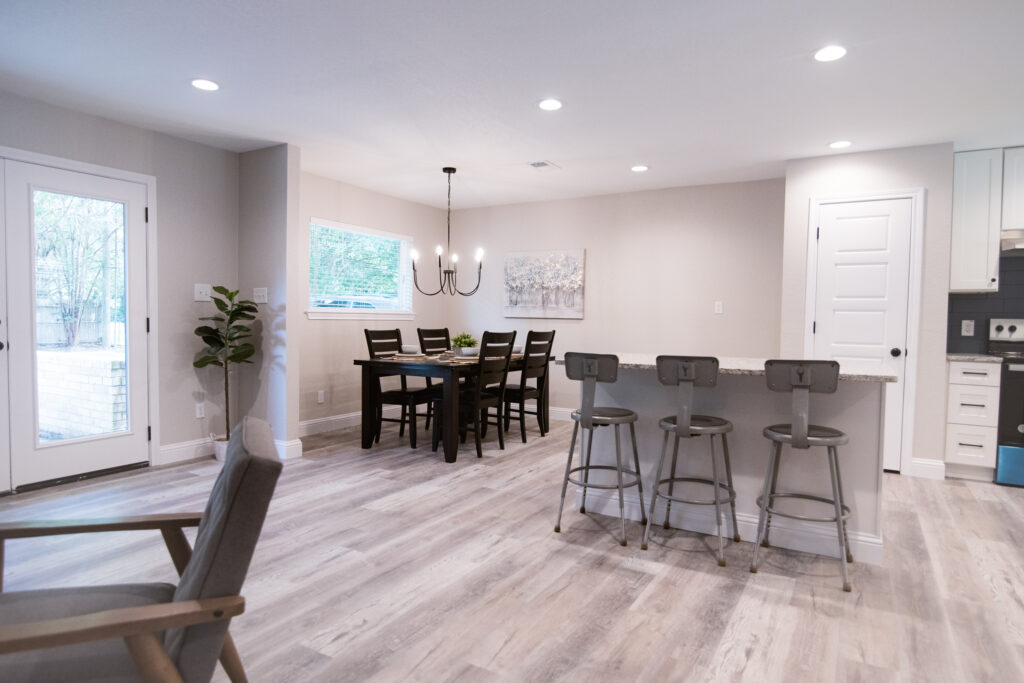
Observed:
{"x":446,"y":276}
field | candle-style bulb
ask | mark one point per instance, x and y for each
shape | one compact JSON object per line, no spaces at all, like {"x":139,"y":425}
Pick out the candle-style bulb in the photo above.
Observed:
{"x":414,"y":254}
{"x":439,"y":250}
{"x":480,"y":255}
{"x":455,"y":258}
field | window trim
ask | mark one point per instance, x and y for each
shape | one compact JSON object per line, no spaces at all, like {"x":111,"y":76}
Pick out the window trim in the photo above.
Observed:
{"x":313,"y":313}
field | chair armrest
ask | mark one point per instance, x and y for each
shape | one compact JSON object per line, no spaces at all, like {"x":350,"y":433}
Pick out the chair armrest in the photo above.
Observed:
{"x":57,"y":527}
{"x":117,"y":623}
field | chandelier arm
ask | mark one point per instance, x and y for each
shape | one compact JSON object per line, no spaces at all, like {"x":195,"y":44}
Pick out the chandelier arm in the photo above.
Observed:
{"x":415,"y":282}
{"x":479,"y":269}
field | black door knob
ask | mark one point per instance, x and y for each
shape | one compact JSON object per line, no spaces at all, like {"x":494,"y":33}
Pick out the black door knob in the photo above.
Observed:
{"x":895,"y":353}
{"x":1,"y":346}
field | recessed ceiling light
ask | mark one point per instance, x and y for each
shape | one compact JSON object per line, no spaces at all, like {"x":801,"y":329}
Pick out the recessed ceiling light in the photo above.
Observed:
{"x":550,"y":104}
{"x":830,"y":53}
{"x":840,"y":144}
{"x":639,"y":168}
{"x":203,"y":84}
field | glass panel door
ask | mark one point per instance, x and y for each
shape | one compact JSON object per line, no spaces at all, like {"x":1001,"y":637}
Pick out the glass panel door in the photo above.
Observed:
{"x":76,"y":294}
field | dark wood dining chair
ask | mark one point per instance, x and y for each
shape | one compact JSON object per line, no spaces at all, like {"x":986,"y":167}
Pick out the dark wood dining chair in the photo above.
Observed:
{"x":484,"y":390}
{"x":433,"y":342}
{"x":382,"y":344}
{"x":536,"y":357}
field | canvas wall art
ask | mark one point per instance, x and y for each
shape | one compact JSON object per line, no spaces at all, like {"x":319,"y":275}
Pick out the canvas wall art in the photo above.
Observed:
{"x":544,"y":284}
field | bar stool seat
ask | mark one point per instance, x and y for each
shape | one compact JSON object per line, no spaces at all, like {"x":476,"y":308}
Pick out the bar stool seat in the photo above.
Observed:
{"x":700,"y":424}
{"x":607,"y":415}
{"x":816,"y":435}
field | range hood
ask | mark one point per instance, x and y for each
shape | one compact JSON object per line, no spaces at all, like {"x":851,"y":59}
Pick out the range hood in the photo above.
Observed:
{"x":1011,"y":242}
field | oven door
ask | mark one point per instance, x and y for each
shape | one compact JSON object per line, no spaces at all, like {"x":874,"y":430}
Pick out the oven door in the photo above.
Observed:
{"x":1011,"y":404}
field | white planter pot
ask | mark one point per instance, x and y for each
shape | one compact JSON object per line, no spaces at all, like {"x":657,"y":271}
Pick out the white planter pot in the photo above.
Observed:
{"x":220,"y":449}
{"x":466,"y":351}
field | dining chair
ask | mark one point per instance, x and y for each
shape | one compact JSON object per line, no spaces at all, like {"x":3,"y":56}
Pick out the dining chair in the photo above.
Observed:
{"x":383,"y":344}
{"x":433,"y":342}
{"x":149,"y":631}
{"x":484,"y":390}
{"x":536,"y":359}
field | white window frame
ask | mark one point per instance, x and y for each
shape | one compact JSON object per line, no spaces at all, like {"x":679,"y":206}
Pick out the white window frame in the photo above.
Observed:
{"x":405,"y":276}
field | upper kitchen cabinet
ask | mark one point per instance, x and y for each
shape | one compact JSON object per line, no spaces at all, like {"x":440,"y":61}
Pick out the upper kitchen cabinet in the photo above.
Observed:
{"x":1013,"y":191}
{"x":977,"y":203}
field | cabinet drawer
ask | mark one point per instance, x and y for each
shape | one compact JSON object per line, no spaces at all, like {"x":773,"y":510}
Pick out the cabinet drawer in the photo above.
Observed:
{"x":965,"y":372}
{"x":973,"y":405}
{"x":968,"y":445}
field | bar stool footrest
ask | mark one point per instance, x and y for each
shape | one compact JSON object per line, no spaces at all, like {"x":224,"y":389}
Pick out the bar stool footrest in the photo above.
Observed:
{"x":608,"y":468}
{"x":693,"y":501}
{"x":804,"y":496}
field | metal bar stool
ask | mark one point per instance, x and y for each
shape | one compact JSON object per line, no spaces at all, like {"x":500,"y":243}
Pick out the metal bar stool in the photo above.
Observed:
{"x":686,"y":372}
{"x":802,"y":378}
{"x":591,"y":368}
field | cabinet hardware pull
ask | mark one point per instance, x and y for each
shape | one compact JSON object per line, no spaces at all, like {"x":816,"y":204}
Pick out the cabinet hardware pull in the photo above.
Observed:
{"x":972,"y":405}
{"x":974,"y":372}
{"x":972,"y":445}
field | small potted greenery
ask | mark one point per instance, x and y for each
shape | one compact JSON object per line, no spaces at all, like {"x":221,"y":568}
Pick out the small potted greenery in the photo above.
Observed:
{"x":465,"y":345}
{"x":225,"y":344}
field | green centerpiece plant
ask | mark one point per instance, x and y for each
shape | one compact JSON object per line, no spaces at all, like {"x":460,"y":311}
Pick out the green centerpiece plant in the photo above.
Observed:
{"x":463,"y":341}
{"x":225,"y":339}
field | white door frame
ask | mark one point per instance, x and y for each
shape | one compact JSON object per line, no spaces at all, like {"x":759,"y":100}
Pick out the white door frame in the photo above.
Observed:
{"x":152,"y":355}
{"x":916,"y":197}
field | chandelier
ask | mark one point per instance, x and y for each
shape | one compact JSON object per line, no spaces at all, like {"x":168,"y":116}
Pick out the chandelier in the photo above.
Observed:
{"x":446,"y":276}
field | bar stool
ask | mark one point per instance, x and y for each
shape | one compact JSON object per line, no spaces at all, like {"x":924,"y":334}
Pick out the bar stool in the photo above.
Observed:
{"x":802,"y":378}
{"x":591,"y":368}
{"x":686,"y":372}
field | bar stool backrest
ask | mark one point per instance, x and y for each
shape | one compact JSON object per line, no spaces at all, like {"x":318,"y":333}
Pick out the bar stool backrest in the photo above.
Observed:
{"x":686,"y":372}
{"x":434,"y":341}
{"x":590,"y":368}
{"x":802,"y":378}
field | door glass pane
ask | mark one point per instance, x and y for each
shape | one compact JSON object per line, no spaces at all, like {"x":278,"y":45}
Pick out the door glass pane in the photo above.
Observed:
{"x":81,"y":355}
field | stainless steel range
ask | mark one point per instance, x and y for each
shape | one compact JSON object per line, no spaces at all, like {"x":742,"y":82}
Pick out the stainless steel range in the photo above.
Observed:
{"x":1006,"y":340}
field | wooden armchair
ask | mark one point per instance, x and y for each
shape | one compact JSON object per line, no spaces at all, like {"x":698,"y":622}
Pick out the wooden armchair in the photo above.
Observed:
{"x":149,"y":631}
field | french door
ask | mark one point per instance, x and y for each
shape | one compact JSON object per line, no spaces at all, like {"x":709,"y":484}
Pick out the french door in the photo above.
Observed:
{"x":74,"y":380}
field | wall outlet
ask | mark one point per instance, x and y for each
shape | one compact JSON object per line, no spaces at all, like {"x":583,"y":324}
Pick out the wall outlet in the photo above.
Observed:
{"x":966,"y":328}
{"x":200,"y":411}
{"x":259,"y":295}
{"x":320,"y":396}
{"x":718,"y":308}
{"x":202,"y":293}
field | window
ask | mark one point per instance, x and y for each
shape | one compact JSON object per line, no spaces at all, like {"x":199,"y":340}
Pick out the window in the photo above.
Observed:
{"x":358,"y":273}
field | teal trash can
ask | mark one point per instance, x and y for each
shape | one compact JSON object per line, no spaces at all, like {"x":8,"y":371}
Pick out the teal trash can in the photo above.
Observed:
{"x":1010,"y":466}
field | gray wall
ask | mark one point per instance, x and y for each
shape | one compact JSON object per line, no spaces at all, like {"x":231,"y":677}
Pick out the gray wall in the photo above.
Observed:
{"x":197,"y":227}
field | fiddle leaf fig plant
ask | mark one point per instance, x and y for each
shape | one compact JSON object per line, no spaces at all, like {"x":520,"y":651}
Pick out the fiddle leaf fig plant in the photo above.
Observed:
{"x":225,"y":339}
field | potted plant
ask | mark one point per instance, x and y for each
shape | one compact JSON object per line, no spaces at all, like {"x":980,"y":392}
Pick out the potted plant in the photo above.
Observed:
{"x":465,"y":345}
{"x":224,"y":339}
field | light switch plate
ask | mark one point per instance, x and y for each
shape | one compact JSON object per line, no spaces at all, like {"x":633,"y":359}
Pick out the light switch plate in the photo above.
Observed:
{"x":320,"y":396}
{"x":966,"y":328}
{"x":718,"y":307}
{"x":202,"y":293}
{"x":259,"y":295}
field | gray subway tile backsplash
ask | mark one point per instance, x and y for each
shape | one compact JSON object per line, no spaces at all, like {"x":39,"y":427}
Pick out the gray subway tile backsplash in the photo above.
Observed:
{"x":1008,"y":302}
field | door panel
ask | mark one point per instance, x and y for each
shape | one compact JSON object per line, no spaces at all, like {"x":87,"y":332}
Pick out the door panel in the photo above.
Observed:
{"x":862,"y":295}
{"x":76,"y":283}
{"x":5,"y":441}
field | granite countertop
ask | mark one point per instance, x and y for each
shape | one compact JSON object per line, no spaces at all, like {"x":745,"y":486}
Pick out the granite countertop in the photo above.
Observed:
{"x":973,"y":358}
{"x":849,"y":370}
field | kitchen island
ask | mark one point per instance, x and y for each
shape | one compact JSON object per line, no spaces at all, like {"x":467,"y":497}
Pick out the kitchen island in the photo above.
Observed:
{"x":742,"y":397}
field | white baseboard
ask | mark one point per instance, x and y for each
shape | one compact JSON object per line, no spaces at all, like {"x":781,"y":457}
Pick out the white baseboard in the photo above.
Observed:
{"x":288,"y":450}
{"x":927,"y":468}
{"x":810,"y":537}
{"x":182,"y":451}
{"x":971,"y":472}
{"x":332,"y":422}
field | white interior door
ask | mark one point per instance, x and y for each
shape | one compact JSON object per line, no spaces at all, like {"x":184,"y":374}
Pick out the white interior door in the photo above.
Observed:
{"x":5,"y":440}
{"x":862,"y":295}
{"x":76,"y":322}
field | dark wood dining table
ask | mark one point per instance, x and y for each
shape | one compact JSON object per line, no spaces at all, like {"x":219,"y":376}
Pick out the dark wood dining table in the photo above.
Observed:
{"x":447,"y":370}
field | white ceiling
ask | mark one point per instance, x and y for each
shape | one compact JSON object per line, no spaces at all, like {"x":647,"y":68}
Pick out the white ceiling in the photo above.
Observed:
{"x":383,"y":93}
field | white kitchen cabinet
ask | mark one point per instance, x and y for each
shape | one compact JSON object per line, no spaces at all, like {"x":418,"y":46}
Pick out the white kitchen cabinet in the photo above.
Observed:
{"x":1013,"y":188}
{"x":972,"y":414}
{"x":977,"y":207}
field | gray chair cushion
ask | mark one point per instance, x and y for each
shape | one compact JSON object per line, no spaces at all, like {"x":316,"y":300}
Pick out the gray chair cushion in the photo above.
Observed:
{"x":103,"y":660}
{"x":225,"y":542}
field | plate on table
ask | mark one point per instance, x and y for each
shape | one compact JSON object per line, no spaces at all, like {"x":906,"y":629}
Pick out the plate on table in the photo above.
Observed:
{"x":408,"y":355}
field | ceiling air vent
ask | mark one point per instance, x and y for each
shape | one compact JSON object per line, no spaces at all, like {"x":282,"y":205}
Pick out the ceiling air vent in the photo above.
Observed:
{"x":544,"y":165}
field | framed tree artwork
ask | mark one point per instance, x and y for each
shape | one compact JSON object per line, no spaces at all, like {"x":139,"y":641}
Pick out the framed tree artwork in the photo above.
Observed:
{"x":544,"y":284}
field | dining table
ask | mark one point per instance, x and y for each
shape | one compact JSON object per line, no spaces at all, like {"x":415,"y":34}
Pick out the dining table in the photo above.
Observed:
{"x":449,"y":370}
